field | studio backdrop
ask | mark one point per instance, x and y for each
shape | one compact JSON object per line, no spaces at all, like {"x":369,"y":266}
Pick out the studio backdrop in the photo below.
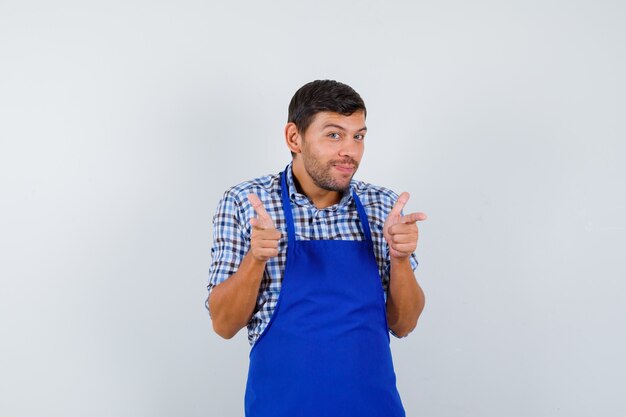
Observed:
{"x":123,"y":122}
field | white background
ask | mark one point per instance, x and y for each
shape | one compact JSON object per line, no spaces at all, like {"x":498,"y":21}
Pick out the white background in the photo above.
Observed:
{"x":122,"y":123}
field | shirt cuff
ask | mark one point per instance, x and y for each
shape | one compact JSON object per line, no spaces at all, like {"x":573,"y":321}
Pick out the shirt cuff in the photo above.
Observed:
{"x":206,"y":303}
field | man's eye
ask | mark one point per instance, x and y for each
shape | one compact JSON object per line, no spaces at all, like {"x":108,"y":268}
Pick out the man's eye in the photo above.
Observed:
{"x":334,"y":135}
{"x":359,"y":137}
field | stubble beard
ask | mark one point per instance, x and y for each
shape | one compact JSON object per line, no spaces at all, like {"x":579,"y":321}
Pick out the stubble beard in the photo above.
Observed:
{"x":321,"y":175}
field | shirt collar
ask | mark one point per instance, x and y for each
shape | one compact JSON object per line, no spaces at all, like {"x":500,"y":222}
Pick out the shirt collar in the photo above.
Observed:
{"x":302,"y":200}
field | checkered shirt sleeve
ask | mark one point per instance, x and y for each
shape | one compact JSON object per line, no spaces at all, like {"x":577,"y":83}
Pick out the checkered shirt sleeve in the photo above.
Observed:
{"x":230,"y":242}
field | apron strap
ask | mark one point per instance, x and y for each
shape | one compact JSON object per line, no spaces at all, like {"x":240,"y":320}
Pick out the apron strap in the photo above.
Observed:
{"x":284,"y":193}
{"x":291,"y":233}
{"x":363,"y":217}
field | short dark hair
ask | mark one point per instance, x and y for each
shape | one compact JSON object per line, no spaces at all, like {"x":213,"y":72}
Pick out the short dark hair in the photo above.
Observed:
{"x":322,"y":95}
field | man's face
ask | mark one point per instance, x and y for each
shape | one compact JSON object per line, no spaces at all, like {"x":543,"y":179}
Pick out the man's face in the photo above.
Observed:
{"x":332,"y":148}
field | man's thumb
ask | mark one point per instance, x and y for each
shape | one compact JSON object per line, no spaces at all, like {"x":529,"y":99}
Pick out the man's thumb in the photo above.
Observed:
{"x":396,"y":210}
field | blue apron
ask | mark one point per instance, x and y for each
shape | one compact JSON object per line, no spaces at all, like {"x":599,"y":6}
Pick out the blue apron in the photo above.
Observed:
{"x":325,"y":351}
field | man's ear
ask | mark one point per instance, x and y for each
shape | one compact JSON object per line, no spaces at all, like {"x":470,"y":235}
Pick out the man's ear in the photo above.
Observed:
{"x":293,"y":138}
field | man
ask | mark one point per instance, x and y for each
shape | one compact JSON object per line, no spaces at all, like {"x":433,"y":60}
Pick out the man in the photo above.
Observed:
{"x":319,"y":267}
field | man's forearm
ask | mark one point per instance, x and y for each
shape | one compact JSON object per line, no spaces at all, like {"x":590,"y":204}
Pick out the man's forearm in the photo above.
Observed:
{"x":232,"y":302}
{"x":405,"y":300}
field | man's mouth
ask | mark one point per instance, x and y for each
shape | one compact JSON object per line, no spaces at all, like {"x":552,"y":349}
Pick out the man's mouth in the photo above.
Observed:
{"x":344,"y":168}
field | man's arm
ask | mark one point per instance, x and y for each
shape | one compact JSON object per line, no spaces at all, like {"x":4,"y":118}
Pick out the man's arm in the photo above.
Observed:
{"x":405,"y":299}
{"x":232,"y":302}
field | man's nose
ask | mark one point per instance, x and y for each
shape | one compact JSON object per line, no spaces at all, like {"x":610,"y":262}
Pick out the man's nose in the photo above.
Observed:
{"x":350,"y":148}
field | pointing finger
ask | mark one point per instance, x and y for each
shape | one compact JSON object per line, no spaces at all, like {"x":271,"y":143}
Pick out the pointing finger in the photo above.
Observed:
{"x":413,"y":217}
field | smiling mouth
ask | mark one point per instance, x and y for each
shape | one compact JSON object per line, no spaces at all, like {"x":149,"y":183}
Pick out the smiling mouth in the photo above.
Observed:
{"x":347,"y":169}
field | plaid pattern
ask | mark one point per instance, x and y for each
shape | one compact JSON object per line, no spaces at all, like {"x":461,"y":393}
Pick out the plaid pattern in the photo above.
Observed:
{"x":231,"y":233}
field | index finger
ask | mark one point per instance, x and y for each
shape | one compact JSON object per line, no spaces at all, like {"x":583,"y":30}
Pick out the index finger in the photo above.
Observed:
{"x":413,"y":217}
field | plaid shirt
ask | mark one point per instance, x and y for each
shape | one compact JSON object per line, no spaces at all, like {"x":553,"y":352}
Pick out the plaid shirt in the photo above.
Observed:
{"x":231,"y":233}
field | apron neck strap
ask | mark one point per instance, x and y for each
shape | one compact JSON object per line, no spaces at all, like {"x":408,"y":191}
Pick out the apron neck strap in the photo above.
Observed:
{"x":291,"y":233}
{"x":363,"y":217}
{"x":284,"y":193}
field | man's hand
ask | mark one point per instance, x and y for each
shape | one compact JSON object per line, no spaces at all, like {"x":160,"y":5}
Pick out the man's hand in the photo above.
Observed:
{"x":264,"y":237}
{"x":232,"y":302}
{"x":401,"y":231}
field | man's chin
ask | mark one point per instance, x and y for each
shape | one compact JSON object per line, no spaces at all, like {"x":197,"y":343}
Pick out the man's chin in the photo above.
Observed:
{"x":338,"y":186}
{"x":341,"y":186}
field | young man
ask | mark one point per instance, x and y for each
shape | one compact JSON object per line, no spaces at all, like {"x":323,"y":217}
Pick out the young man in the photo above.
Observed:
{"x":319,"y":267}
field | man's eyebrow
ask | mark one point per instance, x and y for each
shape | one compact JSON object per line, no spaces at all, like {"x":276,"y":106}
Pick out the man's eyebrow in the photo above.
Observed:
{"x":364,"y":128}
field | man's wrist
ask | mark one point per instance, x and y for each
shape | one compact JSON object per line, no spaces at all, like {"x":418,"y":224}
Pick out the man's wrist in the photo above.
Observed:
{"x":400,"y":261}
{"x":255,"y":262}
